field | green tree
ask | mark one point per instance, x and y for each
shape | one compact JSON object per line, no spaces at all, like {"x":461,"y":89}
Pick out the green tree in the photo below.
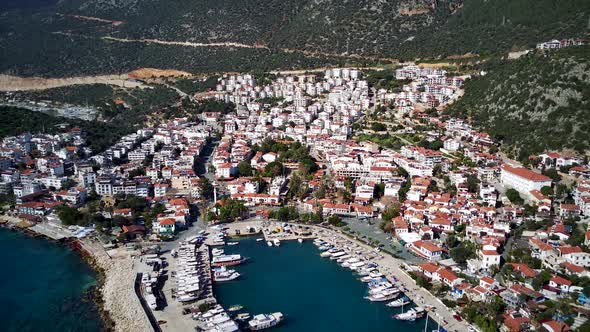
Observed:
{"x":463,"y":252}
{"x":230,"y":210}
{"x":547,"y":191}
{"x":284,"y":213}
{"x":244,"y":168}
{"x":514,"y":196}
{"x":335,"y":220}
{"x":423,"y":282}
{"x":553,"y":174}
{"x":378,"y":126}
{"x":473,"y":183}
{"x":274,"y":168}
{"x":403,"y":192}
{"x":205,"y":188}
{"x":391,"y":212}
{"x":68,"y":215}
{"x":541,"y":279}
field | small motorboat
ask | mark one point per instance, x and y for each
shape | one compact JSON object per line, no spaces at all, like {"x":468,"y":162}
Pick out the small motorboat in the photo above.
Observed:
{"x":236,"y":307}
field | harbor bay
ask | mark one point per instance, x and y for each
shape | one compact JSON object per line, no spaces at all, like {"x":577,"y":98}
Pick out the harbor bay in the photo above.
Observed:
{"x":314,"y":293}
{"x":45,"y":287}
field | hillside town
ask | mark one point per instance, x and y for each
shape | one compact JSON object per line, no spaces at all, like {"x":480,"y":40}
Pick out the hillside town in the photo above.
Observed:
{"x":489,"y":236}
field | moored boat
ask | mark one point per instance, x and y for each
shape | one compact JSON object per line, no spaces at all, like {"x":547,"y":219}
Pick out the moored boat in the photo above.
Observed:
{"x":227,"y":260}
{"x":236,"y":307}
{"x":222,"y":274}
{"x":402,"y":301}
{"x":382,"y":296}
{"x":264,"y":321}
{"x":411,"y":314}
{"x":243,"y":317}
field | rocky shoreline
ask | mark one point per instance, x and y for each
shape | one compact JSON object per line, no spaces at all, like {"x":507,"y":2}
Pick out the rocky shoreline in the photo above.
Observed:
{"x":114,"y":294}
{"x":118,"y":301}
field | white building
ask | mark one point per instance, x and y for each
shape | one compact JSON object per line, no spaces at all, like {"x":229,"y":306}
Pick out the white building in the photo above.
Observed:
{"x":522,"y":179}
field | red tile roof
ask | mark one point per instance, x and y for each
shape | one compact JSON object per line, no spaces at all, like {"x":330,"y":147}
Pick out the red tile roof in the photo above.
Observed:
{"x":429,"y":267}
{"x":561,"y":281}
{"x":569,"y":250}
{"x":526,"y":173}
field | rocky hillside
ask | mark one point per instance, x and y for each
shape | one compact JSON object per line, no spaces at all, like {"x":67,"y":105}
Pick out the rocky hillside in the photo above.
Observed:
{"x":69,"y":37}
{"x":538,"y":102}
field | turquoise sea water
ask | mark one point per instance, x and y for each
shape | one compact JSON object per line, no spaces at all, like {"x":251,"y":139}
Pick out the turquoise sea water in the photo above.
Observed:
{"x":314,"y":293}
{"x":43,"y":287}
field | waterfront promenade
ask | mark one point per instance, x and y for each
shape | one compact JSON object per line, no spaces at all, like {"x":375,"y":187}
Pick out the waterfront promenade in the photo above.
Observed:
{"x":390,"y":266}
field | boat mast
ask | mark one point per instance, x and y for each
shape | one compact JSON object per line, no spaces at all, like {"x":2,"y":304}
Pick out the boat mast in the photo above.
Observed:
{"x":426,"y":323}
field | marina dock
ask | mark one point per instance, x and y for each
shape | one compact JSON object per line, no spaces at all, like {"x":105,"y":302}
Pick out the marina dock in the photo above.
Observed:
{"x":209,"y":297}
{"x":392,"y":269}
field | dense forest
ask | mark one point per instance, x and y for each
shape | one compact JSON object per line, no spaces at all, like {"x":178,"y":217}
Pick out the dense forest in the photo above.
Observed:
{"x":53,"y":41}
{"x":538,"y":102}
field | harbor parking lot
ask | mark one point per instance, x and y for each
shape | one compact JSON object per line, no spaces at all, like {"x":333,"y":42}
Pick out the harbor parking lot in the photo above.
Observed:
{"x":368,"y":230}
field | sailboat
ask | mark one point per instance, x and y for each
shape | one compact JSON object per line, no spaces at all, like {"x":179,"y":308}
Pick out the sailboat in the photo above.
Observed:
{"x":438,"y":329}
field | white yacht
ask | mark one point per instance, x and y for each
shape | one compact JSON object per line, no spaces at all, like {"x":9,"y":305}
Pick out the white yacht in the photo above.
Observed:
{"x":402,"y":301}
{"x":264,"y":321}
{"x":329,"y":252}
{"x":223,"y":274}
{"x":268,"y":243}
{"x":356,"y":266}
{"x":384,"y":295}
{"x":410,"y":315}
{"x":276,"y":242}
{"x":337,"y":254}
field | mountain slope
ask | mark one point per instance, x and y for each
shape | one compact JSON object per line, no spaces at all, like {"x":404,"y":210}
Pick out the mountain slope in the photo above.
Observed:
{"x":289,"y":33}
{"x":536,"y":103}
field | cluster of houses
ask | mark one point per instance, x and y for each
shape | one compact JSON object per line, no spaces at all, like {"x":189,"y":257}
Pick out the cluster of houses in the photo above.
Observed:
{"x":34,"y":167}
{"x":460,"y":185}
{"x":296,"y":117}
{"x":44,"y":171}
{"x":429,"y":87}
{"x":557,"y":44}
{"x":320,"y":113}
